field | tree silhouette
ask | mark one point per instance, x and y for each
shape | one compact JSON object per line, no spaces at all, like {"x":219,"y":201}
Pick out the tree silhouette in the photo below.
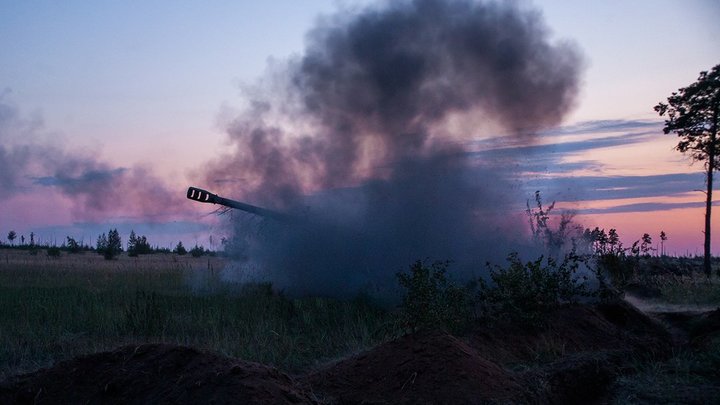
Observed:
{"x":692,"y":113}
{"x":11,"y":236}
{"x":102,"y":243}
{"x":180,"y":249}
{"x":73,"y":246}
{"x":137,"y":245}
{"x":109,"y":246}
{"x":142,"y":246}
{"x":114,"y":244}
{"x":663,"y":238}
{"x":132,"y":242}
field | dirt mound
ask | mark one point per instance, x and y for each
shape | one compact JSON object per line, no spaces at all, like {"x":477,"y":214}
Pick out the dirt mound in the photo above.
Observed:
{"x":641,"y":333}
{"x":642,"y":290}
{"x":574,"y":358}
{"x":575,"y":379}
{"x":430,"y":367}
{"x":578,"y":354}
{"x":614,"y":327}
{"x":154,"y":373}
{"x":707,"y":327}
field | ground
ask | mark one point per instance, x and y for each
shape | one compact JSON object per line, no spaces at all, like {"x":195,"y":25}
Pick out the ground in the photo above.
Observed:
{"x":631,"y":350}
{"x":579,"y":358}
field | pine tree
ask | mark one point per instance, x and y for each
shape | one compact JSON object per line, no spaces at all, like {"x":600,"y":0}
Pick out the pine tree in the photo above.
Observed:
{"x":11,"y":236}
{"x":102,"y":244}
{"x":114,"y":245}
{"x":180,"y":249}
{"x":132,"y":244}
{"x":693,"y":113}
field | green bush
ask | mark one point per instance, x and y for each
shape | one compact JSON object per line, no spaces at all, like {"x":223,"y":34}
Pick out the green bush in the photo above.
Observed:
{"x":526,"y":292}
{"x":522,"y":293}
{"x":431,"y":300}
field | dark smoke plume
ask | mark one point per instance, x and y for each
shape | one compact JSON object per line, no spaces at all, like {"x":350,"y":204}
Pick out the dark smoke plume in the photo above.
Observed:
{"x":363,"y":136}
{"x":29,"y":159}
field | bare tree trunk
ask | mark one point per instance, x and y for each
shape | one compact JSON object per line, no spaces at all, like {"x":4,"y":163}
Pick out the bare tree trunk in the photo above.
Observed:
{"x":708,"y":202}
{"x":708,"y":209}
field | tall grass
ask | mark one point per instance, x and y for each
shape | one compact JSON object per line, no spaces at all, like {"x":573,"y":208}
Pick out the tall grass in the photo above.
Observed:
{"x":57,"y":308}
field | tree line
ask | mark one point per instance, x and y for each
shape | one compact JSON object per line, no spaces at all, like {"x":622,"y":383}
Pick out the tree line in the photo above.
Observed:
{"x":108,"y":244}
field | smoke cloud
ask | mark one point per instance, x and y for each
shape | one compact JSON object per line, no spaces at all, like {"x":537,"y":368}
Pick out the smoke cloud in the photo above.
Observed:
{"x":363,"y":138}
{"x":30,"y":159}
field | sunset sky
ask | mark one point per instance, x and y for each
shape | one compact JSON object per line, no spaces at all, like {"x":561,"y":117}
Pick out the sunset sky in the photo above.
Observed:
{"x":150,"y":87}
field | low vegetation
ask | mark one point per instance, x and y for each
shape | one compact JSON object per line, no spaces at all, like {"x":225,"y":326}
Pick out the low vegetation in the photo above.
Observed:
{"x":526,"y":292}
{"x":433,"y":301}
{"x":55,"y":309}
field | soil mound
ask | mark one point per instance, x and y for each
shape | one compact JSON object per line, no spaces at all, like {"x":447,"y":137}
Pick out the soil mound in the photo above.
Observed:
{"x":574,"y":358}
{"x":615,"y":327}
{"x":707,"y":328}
{"x":429,"y":367}
{"x":578,"y":354}
{"x":154,"y":373}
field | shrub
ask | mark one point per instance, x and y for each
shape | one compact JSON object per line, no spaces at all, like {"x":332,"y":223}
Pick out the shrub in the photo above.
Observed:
{"x":553,"y":240}
{"x":197,"y":251}
{"x":431,"y":300}
{"x":526,"y":292}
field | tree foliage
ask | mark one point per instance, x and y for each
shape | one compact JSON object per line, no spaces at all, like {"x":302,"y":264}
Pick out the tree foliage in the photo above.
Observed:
{"x":692,"y":113}
{"x":109,"y":245}
{"x":197,"y":251}
{"x":138,"y":245}
{"x":114,"y":244}
{"x":101,"y":244}
{"x":527,"y":292}
{"x":431,"y":300}
{"x":73,"y":246}
{"x":180,"y":249}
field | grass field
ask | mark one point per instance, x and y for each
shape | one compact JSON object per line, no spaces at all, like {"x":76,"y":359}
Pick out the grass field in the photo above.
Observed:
{"x":56,"y":308}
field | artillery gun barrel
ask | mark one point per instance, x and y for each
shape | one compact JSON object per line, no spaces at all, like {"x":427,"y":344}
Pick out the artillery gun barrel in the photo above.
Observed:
{"x":204,"y":196}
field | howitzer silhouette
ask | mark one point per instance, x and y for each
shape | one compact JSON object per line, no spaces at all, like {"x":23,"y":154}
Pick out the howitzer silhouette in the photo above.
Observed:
{"x":204,"y":196}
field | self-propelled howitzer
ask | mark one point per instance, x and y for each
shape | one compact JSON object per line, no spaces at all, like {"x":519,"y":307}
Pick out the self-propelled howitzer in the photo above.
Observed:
{"x":204,"y":196}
